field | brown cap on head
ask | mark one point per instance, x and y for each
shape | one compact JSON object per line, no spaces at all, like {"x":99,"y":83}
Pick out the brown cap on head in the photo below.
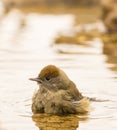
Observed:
{"x":49,"y":71}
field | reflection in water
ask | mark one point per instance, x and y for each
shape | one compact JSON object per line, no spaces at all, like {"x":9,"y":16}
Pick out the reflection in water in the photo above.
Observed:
{"x":113,"y":62}
{"x":50,"y":122}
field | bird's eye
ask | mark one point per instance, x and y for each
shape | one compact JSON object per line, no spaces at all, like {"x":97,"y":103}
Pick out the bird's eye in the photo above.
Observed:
{"x":47,"y":78}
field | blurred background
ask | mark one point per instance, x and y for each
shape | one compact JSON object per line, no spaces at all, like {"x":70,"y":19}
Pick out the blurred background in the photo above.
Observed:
{"x":80,"y":37}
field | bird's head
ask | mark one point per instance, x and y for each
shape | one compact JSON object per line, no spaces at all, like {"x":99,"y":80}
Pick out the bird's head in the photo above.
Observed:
{"x":52,"y":78}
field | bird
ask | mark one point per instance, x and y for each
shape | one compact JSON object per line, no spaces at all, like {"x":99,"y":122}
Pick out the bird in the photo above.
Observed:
{"x":57,"y":94}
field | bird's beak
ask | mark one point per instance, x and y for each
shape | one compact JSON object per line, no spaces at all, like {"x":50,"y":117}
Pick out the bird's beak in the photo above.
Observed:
{"x":36,"y":79}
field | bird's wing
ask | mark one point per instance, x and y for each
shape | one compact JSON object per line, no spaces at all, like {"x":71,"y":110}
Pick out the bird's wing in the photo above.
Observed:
{"x":74,"y":92}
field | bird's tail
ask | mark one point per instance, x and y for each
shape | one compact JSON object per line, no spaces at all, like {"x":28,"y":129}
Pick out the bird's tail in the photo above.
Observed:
{"x":83,"y":105}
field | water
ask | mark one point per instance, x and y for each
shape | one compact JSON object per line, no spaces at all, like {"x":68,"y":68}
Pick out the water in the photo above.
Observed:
{"x":25,"y":48}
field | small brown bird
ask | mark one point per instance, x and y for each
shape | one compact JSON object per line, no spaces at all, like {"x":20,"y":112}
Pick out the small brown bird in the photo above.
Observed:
{"x":57,"y":94}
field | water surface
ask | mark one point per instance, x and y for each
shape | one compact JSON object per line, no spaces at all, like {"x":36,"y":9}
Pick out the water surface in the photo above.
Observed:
{"x":25,"y":48}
